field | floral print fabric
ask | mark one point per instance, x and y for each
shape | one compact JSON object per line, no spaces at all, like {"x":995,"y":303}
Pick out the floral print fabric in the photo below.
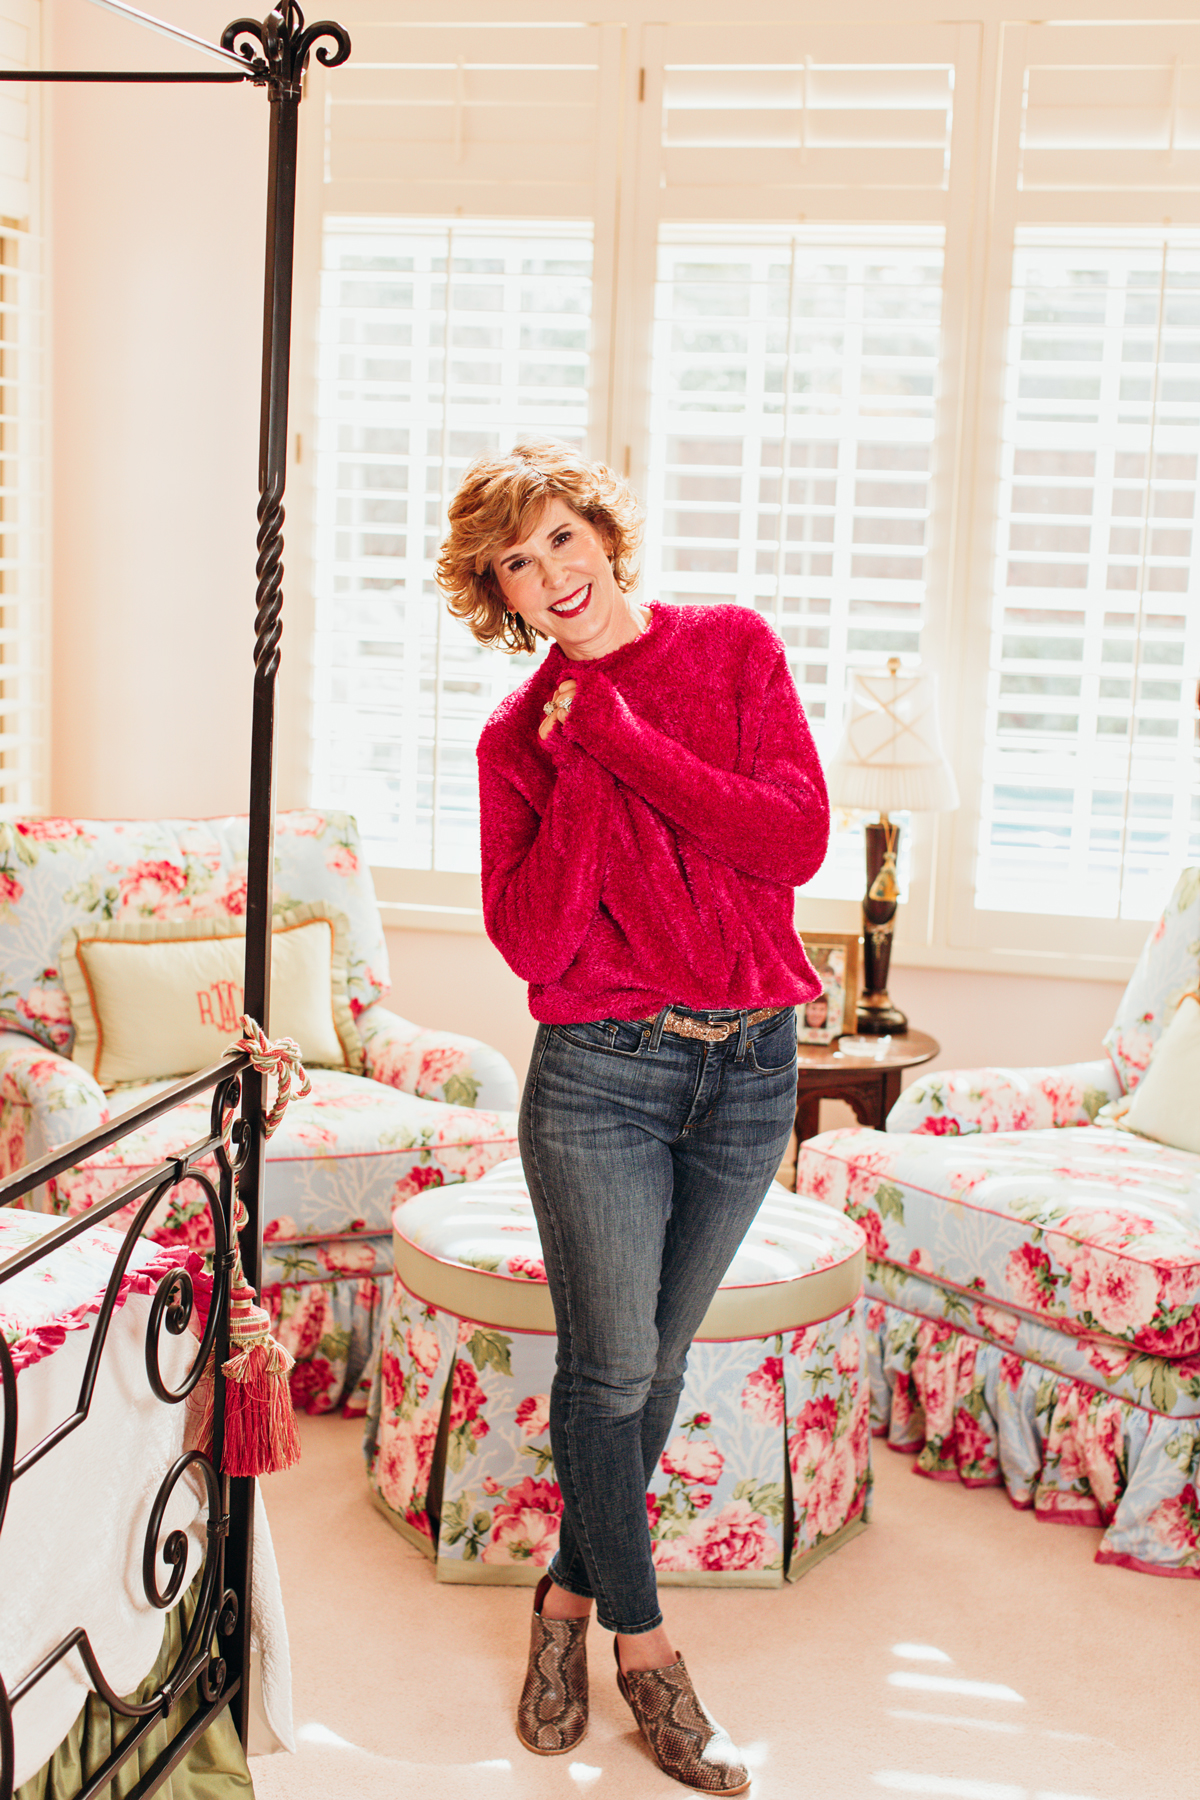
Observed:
{"x":717,"y":1502}
{"x":1168,"y":968}
{"x":949,"y":1105}
{"x":969,"y":1100}
{"x":331,"y":1327}
{"x":1063,"y":1448}
{"x":64,"y":1291}
{"x":436,"y":1107}
{"x":1169,"y":1387}
{"x":1093,"y":1232}
{"x":435,"y":1065}
{"x":340,"y":1162}
{"x":56,"y":874}
{"x":45,"y":1101}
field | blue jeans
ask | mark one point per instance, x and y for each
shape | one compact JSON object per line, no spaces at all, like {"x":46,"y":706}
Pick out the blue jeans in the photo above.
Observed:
{"x":647,"y":1156}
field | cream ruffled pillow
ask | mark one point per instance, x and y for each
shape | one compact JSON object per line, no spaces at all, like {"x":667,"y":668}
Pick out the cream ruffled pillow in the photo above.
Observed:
{"x":151,"y":999}
{"x":1165,"y":1105}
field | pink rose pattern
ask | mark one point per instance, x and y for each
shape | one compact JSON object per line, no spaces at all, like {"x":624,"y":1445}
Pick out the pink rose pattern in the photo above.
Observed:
{"x":533,"y":1414}
{"x":328,"y":1181}
{"x":762,"y":1391}
{"x":1062,"y":1446}
{"x":967,"y":1101}
{"x":317,"y":1233}
{"x":1004,"y":1212}
{"x":718,"y":1497}
{"x":436,"y":1065}
{"x":406,"y":1405}
{"x":57,"y":873}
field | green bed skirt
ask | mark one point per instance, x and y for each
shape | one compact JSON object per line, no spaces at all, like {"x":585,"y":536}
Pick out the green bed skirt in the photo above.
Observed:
{"x":213,"y":1769}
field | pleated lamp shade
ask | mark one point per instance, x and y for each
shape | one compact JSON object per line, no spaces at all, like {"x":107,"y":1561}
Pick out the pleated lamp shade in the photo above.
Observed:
{"x":890,"y":758}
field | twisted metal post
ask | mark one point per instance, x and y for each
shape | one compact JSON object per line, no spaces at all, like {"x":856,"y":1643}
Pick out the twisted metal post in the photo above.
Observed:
{"x":280,"y":46}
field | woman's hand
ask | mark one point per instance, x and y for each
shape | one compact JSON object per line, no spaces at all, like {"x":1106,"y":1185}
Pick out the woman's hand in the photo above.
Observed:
{"x":559,"y":706}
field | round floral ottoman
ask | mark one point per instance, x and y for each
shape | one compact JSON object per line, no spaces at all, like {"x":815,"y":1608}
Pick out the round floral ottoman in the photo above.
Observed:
{"x":767,"y":1469}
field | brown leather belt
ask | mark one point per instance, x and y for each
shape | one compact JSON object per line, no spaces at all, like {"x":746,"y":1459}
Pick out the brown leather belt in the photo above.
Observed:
{"x":683,"y":1026}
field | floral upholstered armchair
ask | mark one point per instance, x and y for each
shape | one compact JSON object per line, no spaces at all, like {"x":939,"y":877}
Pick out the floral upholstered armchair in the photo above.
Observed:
{"x":1034,"y":1291}
{"x":971,"y":1100}
{"x":428,"y":1108}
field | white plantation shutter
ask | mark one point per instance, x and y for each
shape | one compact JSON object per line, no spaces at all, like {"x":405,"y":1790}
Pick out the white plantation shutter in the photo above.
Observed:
{"x":503,"y":119}
{"x":19,"y":31}
{"x":1110,"y":122}
{"x":487,"y":149}
{"x":801,"y":340}
{"x":23,"y":724}
{"x":1092,"y":779}
{"x":837,"y":394}
{"x":792,"y":438}
{"x":816,"y":121}
{"x":402,"y":689}
{"x":795,"y":367}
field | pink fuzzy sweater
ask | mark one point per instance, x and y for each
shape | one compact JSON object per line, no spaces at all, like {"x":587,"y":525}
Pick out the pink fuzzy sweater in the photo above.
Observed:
{"x":646,"y":852}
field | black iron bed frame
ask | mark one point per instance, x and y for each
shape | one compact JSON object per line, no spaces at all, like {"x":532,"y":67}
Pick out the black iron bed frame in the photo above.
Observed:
{"x":215,"y":1658}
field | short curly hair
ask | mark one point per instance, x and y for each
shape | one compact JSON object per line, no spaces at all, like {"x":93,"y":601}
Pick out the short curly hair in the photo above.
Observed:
{"x":499,"y":502}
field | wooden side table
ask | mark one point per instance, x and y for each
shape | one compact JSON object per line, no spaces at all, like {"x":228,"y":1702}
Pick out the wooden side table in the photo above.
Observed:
{"x":866,"y":1075}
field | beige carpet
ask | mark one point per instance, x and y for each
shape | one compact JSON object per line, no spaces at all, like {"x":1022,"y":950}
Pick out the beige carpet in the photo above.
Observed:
{"x":956,"y":1648}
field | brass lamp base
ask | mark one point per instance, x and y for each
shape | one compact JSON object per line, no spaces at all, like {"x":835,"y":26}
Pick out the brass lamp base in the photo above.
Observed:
{"x":877,"y":1017}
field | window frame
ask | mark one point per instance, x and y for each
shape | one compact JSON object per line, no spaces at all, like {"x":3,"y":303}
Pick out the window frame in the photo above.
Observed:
{"x":939,"y":925}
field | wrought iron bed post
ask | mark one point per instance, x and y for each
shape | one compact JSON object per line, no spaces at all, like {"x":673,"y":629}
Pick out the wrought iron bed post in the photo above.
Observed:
{"x":273,"y":54}
{"x":283,"y":45}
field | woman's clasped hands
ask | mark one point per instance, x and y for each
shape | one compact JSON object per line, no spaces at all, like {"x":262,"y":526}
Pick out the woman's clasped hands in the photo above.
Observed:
{"x":557,"y":707}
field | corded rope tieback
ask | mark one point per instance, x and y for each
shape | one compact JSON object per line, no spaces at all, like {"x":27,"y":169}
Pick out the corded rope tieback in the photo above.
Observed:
{"x":260,"y":1420}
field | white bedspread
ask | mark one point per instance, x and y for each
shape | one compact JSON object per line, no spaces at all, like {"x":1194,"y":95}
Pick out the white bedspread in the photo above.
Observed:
{"x":71,"y":1546}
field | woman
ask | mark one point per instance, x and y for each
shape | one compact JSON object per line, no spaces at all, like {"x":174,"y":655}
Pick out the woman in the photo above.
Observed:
{"x":649,"y":799}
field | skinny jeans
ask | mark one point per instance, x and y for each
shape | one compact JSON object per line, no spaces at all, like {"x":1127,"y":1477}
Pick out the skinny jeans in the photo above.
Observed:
{"x":647,"y":1157}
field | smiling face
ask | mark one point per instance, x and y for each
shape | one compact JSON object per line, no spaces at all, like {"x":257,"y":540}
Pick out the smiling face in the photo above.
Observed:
{"x":560,"y":581}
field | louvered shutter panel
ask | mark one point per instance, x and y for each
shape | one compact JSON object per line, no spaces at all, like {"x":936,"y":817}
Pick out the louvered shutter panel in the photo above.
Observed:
{"x":795,"y":364}
{"x":479,"y":120}
{"x":402,"y":690}
{"x":19,"y":23}
{"x":814,"y":121}
{"x":478,"y":147}
{"x":791,"y":447}
{"x":1110,"y":126}
{"x":1092,"y":774}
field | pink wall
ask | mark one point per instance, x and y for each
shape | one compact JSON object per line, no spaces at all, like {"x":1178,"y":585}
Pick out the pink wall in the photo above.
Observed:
{"x":461,"y":983}
{"x":157,"y":205}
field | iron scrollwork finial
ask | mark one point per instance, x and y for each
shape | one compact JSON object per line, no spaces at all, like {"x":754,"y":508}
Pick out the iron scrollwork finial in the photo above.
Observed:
{"x":278,"y":47}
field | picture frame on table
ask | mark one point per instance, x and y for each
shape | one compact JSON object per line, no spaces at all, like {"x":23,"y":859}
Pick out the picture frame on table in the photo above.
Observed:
{"x":834,"y":1014}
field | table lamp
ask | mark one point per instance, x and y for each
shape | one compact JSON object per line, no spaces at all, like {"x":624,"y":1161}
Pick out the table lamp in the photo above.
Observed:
{"x":890,"y":759}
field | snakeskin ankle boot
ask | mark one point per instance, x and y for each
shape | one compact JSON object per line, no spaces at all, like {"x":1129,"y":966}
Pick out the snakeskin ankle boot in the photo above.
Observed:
{"x":552,"y":1716}
{"x":684,"y":1741}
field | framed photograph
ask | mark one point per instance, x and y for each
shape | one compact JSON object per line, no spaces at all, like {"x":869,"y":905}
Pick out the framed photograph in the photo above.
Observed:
{"x":834,"y":1012}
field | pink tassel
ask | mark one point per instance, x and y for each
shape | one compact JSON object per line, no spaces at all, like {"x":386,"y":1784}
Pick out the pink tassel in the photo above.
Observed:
{"x":260,"y":1420}
{"x":260,"y":1423}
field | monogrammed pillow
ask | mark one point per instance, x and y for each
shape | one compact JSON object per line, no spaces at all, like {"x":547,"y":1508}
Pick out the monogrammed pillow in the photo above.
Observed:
{"x":152,"y":998}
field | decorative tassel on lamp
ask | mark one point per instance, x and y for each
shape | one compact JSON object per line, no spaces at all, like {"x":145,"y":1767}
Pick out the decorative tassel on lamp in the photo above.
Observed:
{"x":890,"y":760}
